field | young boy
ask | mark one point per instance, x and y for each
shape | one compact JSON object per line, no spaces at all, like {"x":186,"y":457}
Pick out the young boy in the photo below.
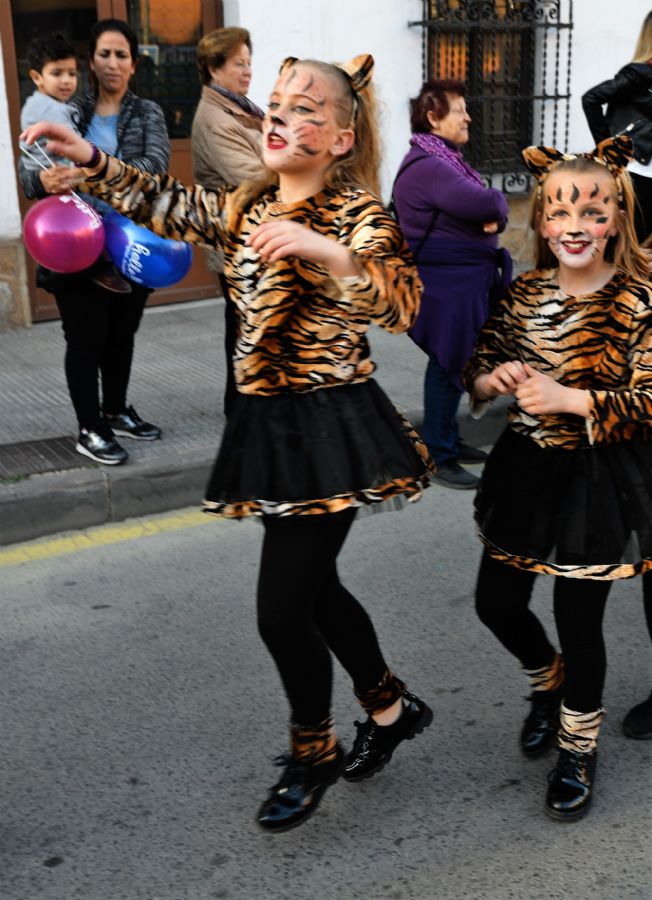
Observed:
{"x":53,"y":69}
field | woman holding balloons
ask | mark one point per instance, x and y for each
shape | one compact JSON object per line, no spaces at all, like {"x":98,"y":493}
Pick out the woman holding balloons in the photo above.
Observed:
{"x":99,"y":325}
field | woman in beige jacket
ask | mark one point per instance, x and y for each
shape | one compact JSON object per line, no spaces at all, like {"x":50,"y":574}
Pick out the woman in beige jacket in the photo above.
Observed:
{"x":226,"y":143}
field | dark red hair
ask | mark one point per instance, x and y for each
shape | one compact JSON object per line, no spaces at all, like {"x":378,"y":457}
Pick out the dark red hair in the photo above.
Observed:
{"x":433,"y":97}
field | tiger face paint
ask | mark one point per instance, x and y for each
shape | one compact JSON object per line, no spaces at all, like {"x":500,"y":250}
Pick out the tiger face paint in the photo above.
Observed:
{"x":300,"y":130}
{"x":579,"y":215}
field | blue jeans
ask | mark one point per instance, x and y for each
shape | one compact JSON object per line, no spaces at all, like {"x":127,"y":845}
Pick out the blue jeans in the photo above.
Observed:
{"x":441,"y":399}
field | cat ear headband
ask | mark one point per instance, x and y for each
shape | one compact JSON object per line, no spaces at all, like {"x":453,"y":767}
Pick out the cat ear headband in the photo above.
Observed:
{"x":614,"y":153}
{"x":357,"y":71}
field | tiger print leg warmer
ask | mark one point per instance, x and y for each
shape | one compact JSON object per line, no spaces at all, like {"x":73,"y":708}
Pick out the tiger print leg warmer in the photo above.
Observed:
{"x":313,"y":744}
{"x":547,"y":678}
{"x":388,"y":690}
{"x":579,"y":731}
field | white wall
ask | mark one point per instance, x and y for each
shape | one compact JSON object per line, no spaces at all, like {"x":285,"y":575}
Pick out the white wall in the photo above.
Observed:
{"x":604,"y":37}
{"x":10,"y":216}
{"x":338,"y":30}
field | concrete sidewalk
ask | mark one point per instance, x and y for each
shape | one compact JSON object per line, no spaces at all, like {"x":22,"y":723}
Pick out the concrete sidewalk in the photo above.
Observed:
{"x":178,"y":382}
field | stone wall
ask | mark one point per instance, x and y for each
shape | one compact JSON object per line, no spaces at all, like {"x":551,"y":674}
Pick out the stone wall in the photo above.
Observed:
{"x":517,"y":237}
{"x":14,"y":295}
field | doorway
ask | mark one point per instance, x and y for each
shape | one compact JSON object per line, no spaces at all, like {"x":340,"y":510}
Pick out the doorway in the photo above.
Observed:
{"x":168,"y":32}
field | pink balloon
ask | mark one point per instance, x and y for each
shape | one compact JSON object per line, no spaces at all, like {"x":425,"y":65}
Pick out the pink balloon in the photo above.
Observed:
{"x":63,"y":233}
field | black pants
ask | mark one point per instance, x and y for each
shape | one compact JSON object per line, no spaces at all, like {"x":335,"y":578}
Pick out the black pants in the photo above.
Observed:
{"x":643,"y":208}
{"x":305,"y":613}
{"x":647,"y":600}
{"x":230,"y":335}
{"x":99,"y":327}
{"x":503,"y":595}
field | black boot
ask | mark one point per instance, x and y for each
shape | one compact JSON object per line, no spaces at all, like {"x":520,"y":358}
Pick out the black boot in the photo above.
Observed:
{"x":570,"y":785}
{"x":297,"y":794}
{"x":638,"y":721}
{"x":541,"y":726}
{"x":375,"y":744}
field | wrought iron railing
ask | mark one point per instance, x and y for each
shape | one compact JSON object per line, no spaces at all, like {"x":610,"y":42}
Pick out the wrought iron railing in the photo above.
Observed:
{"x":515,"y":58}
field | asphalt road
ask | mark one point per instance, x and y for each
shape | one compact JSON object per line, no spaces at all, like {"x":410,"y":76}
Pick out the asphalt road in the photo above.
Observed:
{"x":140,"y":713}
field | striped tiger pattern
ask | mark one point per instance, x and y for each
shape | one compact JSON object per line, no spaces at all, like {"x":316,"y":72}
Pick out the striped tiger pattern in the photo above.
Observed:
{"x":547,"y":678}
{"x":600,"y":342}
{"x":300,"y":327}
{"x":579,"y":731}
{"x":383,"y":695}
{"x":313,"y":744}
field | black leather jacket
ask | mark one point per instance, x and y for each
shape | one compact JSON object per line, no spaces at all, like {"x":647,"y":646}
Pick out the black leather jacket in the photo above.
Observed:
{"x":629,"y":108}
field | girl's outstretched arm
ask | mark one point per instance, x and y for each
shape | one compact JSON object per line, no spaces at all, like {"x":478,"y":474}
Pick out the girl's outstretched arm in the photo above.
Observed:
{"x":161,"y":202}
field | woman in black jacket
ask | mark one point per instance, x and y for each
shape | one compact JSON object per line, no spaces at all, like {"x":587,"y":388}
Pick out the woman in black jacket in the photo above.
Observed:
{"x":99,"y":324}
{"x":629,"y":110}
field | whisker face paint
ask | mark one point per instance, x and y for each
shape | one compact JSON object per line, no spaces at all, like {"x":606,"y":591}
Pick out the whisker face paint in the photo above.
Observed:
{"x":578,"y":217}
{"x":301,"y":123}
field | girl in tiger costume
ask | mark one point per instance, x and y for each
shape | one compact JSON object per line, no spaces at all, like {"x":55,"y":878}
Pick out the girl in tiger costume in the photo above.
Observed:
{"x":567,"y":490}
{"x":312,"y":258}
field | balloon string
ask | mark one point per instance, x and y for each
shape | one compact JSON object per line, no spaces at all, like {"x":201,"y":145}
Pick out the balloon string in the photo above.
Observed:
{"x":23,"y":149}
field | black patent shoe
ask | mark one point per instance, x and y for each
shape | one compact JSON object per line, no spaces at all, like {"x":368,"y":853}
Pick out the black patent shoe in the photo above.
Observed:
{"x":570,"y":785}
{"x":637,"y":723}
{"x":542,"y":724}
{"x":101,"y":446}
{"x":470,"y":455}
{"x":375,"y":744}
{"x":129,"y":424}
{"x":297,"y":794}
{"x":451,"y":474}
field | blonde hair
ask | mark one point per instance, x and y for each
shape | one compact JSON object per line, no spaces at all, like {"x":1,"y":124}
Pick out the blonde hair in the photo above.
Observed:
{"x":643,"y":51}
{"x":214,"y":49}
{"x":359,"y":167}
{"x":623,"y":250}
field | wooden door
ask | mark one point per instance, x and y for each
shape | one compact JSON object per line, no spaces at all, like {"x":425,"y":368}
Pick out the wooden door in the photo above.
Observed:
{"x":168,"y":31}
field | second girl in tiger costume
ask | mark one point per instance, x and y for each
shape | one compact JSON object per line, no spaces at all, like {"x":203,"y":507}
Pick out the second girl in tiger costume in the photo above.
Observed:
{"x":567,"y":490}
{"x":311,"y":258}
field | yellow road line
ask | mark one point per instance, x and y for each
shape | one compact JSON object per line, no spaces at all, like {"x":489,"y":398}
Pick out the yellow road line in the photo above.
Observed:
{"x":102,"y":536}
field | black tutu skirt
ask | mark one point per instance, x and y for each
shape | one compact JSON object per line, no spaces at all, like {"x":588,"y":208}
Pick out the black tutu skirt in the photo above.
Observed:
{"x":584,"y":512}
{"x":316,"y":452}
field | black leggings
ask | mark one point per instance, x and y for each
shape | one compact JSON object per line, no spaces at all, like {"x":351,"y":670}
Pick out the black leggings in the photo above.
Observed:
{"x":502,"y":602}
{"x":99,"y":327}
{"x":305,"y":613}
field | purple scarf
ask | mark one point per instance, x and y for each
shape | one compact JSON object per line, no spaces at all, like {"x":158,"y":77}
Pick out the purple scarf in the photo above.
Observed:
{"x":240,"y":100}
{"x":436,"y":146}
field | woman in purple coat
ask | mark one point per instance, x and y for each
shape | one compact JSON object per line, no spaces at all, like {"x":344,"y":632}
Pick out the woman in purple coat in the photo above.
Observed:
{"x":450,"y":220}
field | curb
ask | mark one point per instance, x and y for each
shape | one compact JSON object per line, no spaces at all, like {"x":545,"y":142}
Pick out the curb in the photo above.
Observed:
{"x":85,"y":497}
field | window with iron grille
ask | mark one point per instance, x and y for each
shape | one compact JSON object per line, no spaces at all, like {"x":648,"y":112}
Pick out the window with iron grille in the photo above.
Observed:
{"x":514,"y":57}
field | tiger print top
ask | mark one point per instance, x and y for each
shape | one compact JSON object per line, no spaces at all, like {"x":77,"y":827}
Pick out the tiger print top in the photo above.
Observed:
{"x":299,"y":326}
{"x":600,"y":342}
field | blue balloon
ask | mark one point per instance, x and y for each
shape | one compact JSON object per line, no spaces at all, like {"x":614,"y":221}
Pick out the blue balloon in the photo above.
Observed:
{"x":143,"y":256}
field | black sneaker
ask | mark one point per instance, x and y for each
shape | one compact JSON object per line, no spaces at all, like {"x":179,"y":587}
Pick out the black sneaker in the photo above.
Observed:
{"x":570,"y":788}
{"x":637,"y":723}
{"x":101,"y":447}
{"x":297,"y":794}
{"x":129,"y":424}
{"x":452,"y":475}
{"x":375,"y":744}
{"x":466,"y":454}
